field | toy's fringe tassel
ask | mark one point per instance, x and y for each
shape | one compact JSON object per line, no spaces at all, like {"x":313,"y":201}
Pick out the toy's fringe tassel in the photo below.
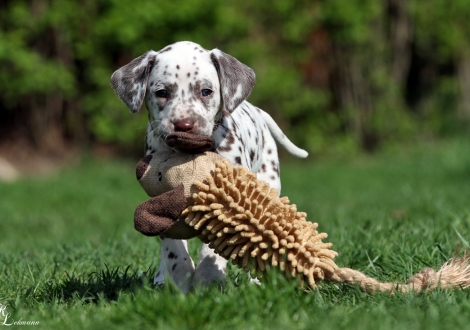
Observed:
{"x":244,"y":220}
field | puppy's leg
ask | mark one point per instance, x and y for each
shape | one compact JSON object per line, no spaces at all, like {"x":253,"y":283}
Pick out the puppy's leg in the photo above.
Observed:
{"x":211,"y":268}
{"x":175,"y":263}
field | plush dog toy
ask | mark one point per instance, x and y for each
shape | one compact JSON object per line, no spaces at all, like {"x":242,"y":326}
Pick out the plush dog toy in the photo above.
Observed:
{"x":199,"y":193}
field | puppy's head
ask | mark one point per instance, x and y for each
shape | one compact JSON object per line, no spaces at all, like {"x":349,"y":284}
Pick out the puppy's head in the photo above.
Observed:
{"x":185,"y":87}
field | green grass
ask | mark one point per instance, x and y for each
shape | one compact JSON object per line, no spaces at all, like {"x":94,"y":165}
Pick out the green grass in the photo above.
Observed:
{"x":70,"y":258}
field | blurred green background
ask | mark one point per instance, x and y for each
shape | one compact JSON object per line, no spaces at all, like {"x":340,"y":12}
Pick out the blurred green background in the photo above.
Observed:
{"x":339,"y":76}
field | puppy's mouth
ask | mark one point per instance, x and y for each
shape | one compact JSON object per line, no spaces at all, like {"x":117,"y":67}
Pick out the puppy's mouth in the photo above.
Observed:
{"x":188,"y":142}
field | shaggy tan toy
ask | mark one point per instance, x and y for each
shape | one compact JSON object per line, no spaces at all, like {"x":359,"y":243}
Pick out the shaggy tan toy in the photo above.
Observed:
{"x":242,"y":219}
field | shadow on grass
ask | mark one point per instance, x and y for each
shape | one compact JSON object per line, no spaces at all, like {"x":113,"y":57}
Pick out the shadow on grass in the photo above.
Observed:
{"x":105,"y":285}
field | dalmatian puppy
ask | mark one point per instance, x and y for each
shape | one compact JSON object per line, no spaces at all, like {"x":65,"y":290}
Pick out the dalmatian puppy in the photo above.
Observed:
{"x":187,"y":88}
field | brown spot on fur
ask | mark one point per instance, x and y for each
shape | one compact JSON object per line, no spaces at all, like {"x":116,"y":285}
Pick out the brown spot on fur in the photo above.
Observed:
{"x":172,"y":89}
{"x":276,"y":169}
{"x":171,"y":255}
{"x":230,"y":140}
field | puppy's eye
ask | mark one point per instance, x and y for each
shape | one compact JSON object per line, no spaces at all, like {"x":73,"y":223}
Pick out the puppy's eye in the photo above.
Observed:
{"x":206,"y":92}
{"x":162,"y":93}
{"x":160,"y":176}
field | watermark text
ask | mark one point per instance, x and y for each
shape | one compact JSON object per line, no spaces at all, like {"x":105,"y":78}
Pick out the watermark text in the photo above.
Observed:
{"x":6,"y":320}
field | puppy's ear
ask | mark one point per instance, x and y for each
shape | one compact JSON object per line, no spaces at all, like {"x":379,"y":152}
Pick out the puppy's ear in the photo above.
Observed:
{"x":236,"y":79}
{"x":130,"y":81}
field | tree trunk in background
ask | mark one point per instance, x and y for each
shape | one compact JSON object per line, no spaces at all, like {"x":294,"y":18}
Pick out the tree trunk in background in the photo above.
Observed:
{"x":49,"y":123}
{"x":45,"y":124}
{"x":463,"y":71}
{"x":401,"y":35}
{"x":353,"y":93}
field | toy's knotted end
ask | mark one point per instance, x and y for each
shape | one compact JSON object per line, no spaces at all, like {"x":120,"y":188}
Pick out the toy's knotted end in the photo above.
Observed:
{"x":158,"y":214}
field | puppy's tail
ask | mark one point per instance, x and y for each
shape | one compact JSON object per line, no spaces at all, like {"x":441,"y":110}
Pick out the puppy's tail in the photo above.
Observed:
{"x":281,"y":138}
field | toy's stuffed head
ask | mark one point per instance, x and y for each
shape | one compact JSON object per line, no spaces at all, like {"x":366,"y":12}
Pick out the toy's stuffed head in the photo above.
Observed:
{"x":161,"y":172}
{"x":168,"y":177}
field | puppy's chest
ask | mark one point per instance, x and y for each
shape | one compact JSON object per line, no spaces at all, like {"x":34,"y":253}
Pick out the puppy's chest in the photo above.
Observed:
{"x":241,"y":141}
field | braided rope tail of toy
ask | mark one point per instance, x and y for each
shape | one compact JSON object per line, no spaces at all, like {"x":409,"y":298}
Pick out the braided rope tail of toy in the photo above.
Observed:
{"x":242,"y":219}
{"x":455,"y":273}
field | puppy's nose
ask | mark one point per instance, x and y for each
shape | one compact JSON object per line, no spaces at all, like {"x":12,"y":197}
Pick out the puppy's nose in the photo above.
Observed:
{"x":184,"y":125}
